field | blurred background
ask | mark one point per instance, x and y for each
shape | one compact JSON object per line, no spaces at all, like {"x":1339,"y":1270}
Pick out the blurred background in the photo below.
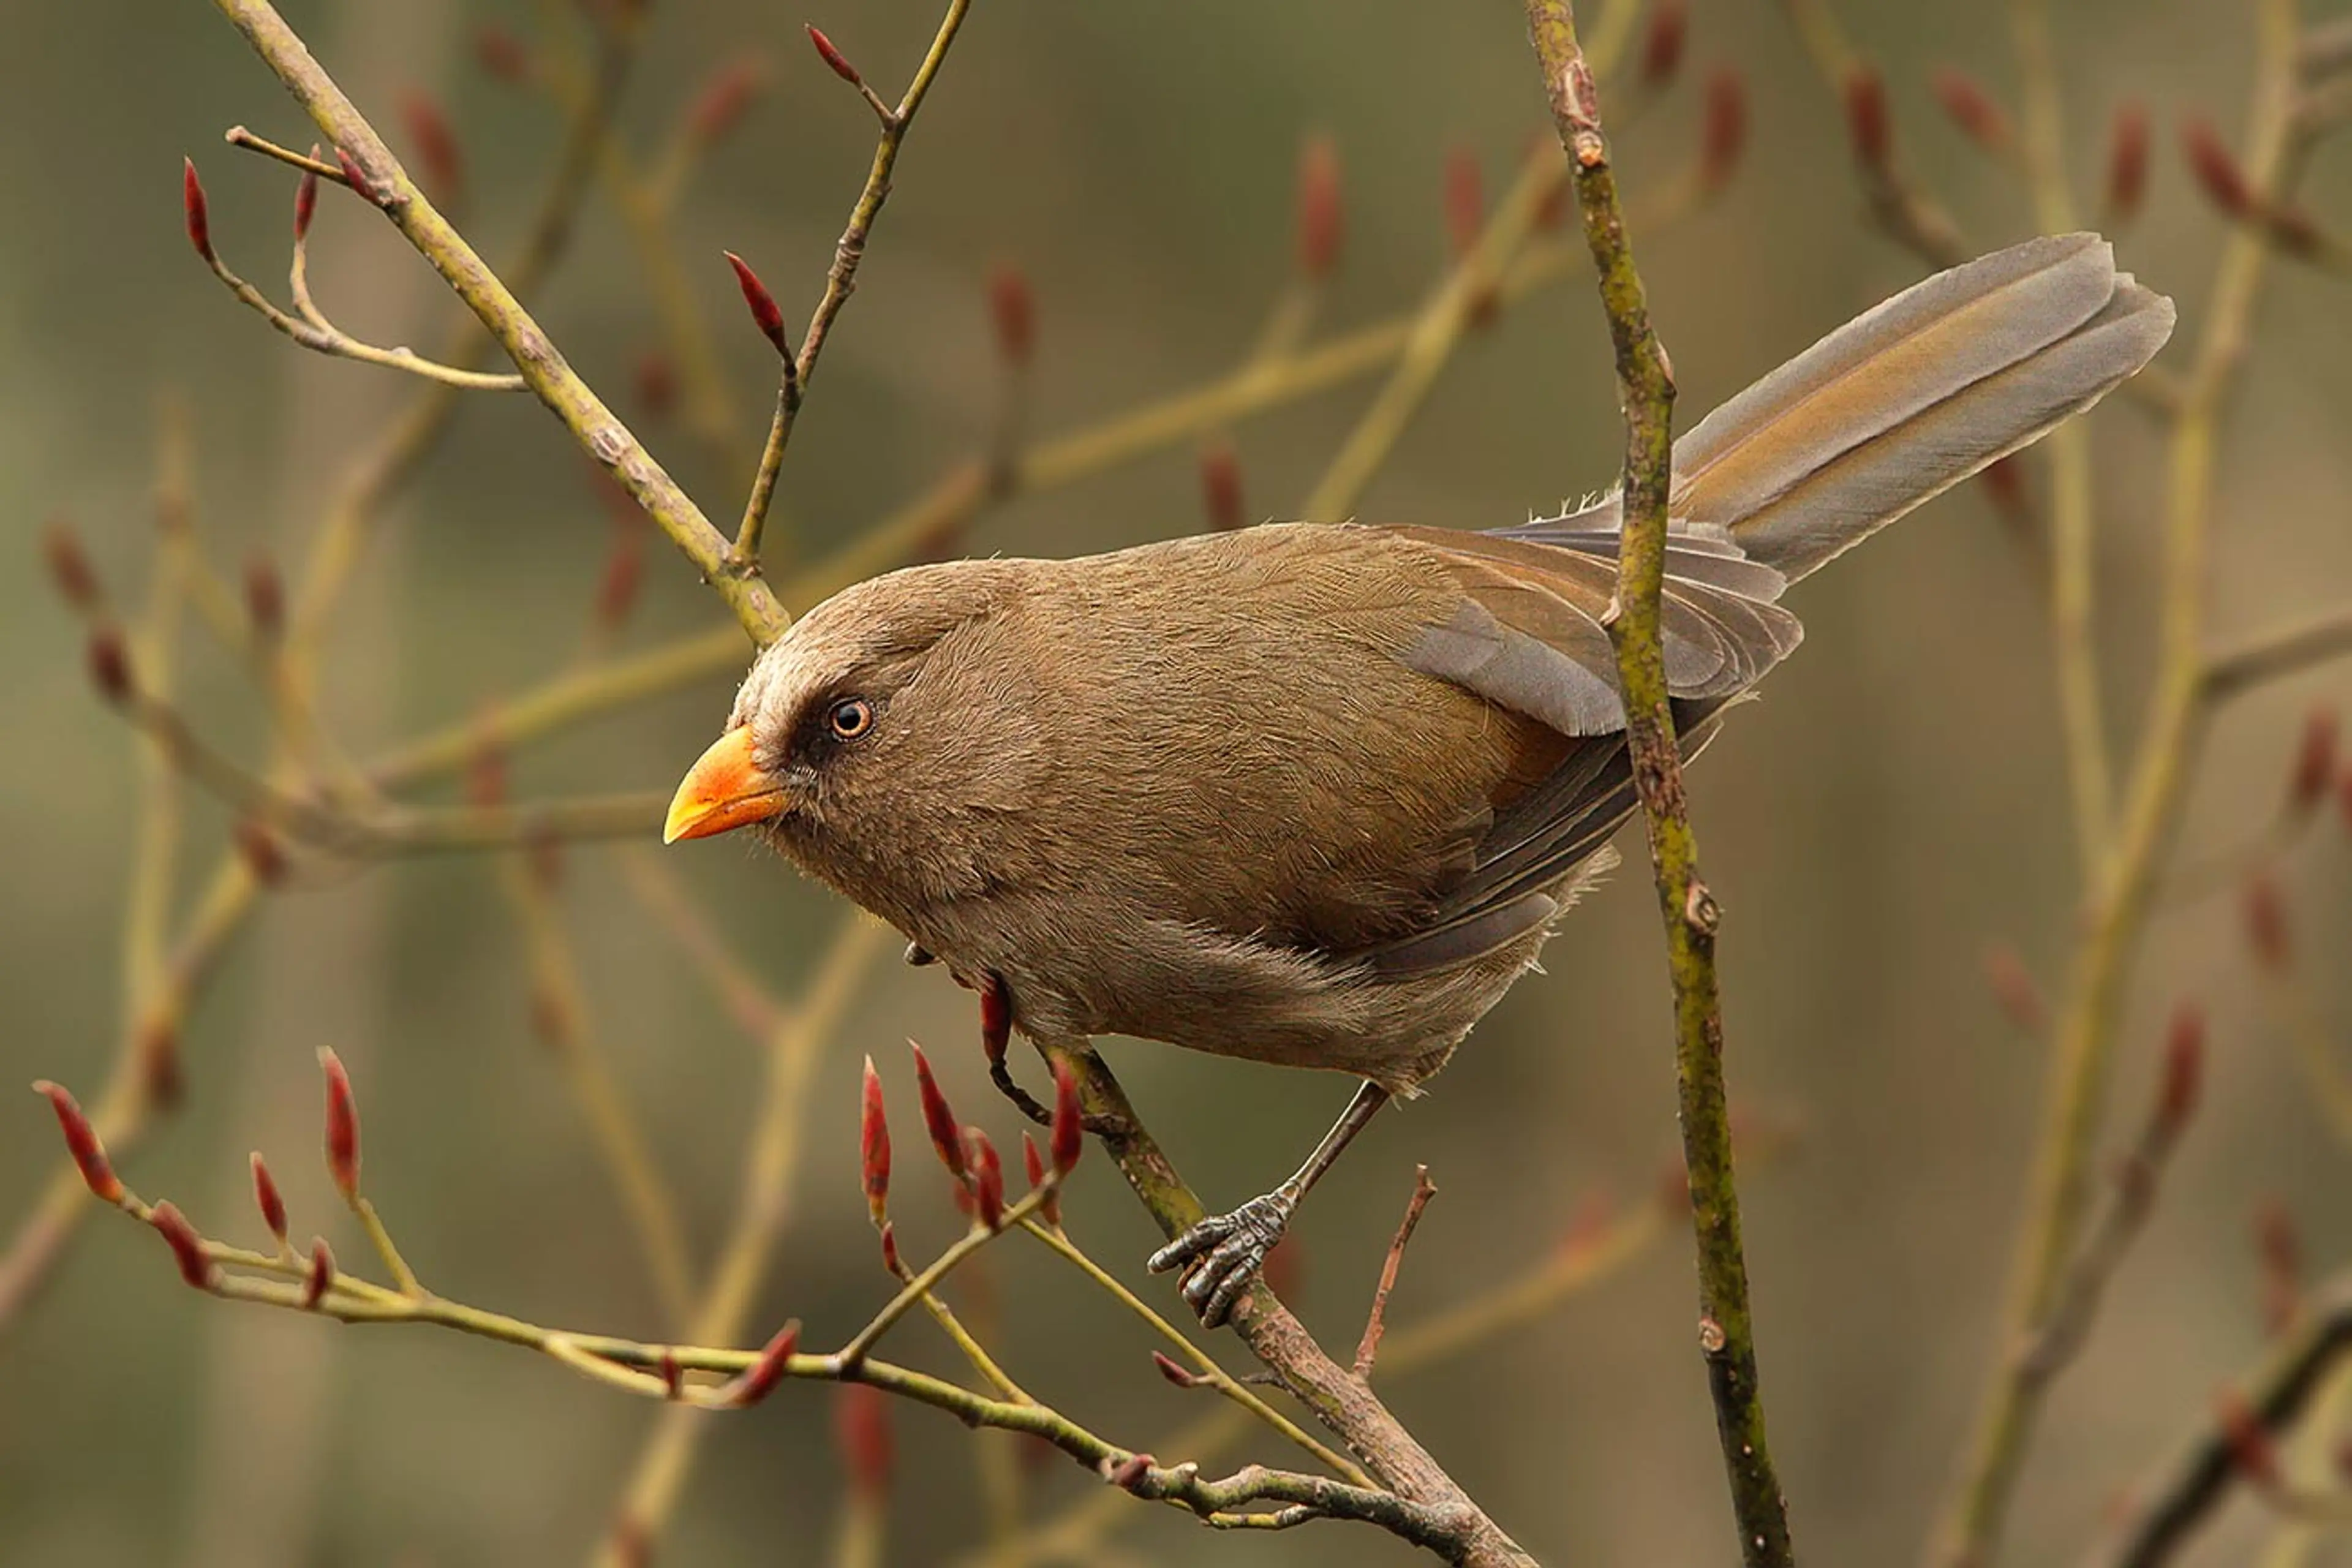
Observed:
{"x":1895,"y":807}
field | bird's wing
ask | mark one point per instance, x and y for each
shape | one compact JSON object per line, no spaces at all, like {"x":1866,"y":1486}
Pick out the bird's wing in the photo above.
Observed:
{"x":1526,"y":635}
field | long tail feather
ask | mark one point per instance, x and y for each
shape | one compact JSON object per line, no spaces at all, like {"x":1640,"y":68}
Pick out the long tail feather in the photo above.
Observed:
{"x":1916,"y":395}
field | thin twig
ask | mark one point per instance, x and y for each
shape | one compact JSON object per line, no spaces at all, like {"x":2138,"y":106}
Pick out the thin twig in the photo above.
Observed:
{"x":1376,"y":1322}
{"x":800,"y":368}
{"x":1727,"y":1330}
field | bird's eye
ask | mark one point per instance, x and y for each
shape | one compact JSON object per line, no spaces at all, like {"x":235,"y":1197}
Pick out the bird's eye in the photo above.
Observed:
{"x":850,"y":717}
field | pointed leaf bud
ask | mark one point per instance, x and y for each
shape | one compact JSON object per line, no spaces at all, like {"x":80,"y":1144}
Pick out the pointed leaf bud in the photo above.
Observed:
{"x":2126,"y":183}
{"x":267,"y":1199}
{"x":69,"y":567}
{"x":1868,"y":127}
{"x":82,"y":1143}
{"x":502,"y":55}
{"x":187,"y":1246}
{"x":834,"y":58}
{"x":2315,"y":760}
{"x":2250,"y":1442}
{"x":1972,"y":109}
{"x":306,"y":200}
{"x":321,"y":1277}
{"x":891,"y":1259}
{"x":764,"y":313}
{"x":995,"y":1019}
{"x":1013,"y":309}
{"x":1662,"y":45}
{"x":1128,"y":1472}
{"x":437,"y":152}
{"x":1032,"y":1164}
{"x":862,"y":1427}
{"x":988,"y":1179}
{"x":200,"y":223}
{"x":356,"y":177}
{"x":758,"y":1379}
{"x":2184,"y":1071}
{"x":109,"y":664}
{"x":343,"y":1126}
{"x":939,"y":1120}
{"x":2013,"y":987}
{"x":1173,"y":1373}
{"x":1221,"y":488}
{"x":1069,"y":1124}
{"x":721,"y":105}
{"x":2266,"y":923}
{"x":1466,"y":201}
{"x":1724,"y":135}
{"x":2217,"y":169}
{"x":1322,"y":216}
{"x":874,"y":1147}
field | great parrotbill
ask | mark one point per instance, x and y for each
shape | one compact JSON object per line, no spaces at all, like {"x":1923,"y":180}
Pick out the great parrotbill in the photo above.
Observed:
{"x":1315,"y":793}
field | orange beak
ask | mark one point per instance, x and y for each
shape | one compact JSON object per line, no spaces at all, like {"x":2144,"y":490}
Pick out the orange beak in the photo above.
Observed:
{"x":725,"y":789}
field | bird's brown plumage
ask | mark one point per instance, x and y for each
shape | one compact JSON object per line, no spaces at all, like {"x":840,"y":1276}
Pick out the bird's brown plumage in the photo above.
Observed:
{"x":1315,"y":793}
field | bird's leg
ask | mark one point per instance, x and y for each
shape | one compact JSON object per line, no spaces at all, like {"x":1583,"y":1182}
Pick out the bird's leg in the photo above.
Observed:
{"x":1230,"y":1247}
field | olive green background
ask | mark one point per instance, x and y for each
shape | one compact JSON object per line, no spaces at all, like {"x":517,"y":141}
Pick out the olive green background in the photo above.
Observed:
{"x":1895,"y":803}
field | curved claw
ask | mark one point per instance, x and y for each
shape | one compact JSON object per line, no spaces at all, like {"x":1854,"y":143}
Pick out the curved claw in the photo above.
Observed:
{"x":1227,"y":1251}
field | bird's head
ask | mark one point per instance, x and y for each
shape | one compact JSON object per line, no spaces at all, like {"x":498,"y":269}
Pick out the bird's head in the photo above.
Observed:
{"x":865,"y":739}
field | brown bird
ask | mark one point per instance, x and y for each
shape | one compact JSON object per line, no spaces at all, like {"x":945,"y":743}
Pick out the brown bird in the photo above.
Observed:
{"x":1315,"y":793}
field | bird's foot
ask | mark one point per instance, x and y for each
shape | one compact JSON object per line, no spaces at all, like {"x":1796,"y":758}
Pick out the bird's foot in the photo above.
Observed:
{"x":1226,"y":1251}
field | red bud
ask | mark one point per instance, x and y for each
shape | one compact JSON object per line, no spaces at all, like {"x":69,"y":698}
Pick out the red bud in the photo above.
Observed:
{"x":200,"y":223}
{"x":1867,"y":125}
{"x":109,"y":664}
{"x":988,"y":1179}
{"x":1972,"y":109}
{"x":1013,"y":308}
{"x":82,"y":1143}
{"x":437,"y":146}
{"x":657,"y":384}
{"x":1069,"y":1126}
{"x":764,"y":313}
{"x":2315,"y":760}
{"x":1033,"y":1165}
{"x":267,"y":1199}
{"x":356,"y":176}
{"x":2280,"y":1250}
{"x":2127,"y":139}
{"x":1662,"y":45}
{"x":673,"y":1375}
{"x":1173,"y":1373}
{"x":758,"y":1379}
{"x":834,"y":58}
{"x":1466,"y":201}
{"x":1724,"y":134}
{"x":187,"y":1246}
{"x":2184,"y":1070}
{"x":939,"y":1120}
{"x":2266,"y":923}
{"x":721,"y":106}
{"x":1129,"y":1471}
{"x":306,"y":200}
{"x":264,"y":597}
{"x":2013,"y":987}
{"x":1221,"y":488}
{"x":343,"y":1126}
{"x":2217,"y":169}
{"x":995,"y":1019}
{"x":2249,"y":1441}
{"x":625,"y":574}
{"x":69,"y":566}
{"x":321,"y":1278}
{"x":502,"y":55}
{"x":1322,"y":217}
{"x":874,"y":1147}
{"x":890,"y":1251}
{"x":862,"y":1426}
